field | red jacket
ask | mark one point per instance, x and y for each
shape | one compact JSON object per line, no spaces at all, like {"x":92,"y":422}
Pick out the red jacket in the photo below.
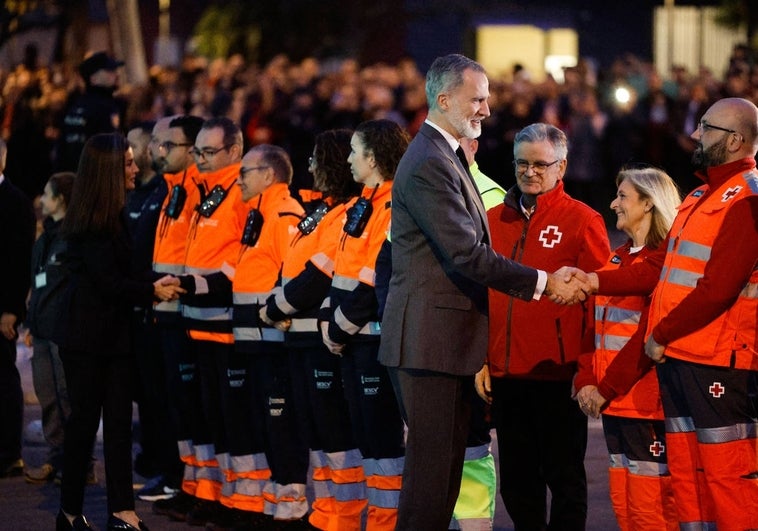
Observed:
{"x":539,"y":339}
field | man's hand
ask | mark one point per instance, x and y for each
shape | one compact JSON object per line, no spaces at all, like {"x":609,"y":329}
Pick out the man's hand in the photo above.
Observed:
{"x":166,"y":289}
{"x":282,"y":325}
{"x":483,"y":385}
{"x":654,"y":350}
{"x":334,"y":348}
{"x":567,"y":286}
{"x":8,"y":325}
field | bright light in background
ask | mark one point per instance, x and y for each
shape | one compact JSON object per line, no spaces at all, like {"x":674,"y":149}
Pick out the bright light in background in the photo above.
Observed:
{"x":554,"y":65}
{"x":622,"y":95}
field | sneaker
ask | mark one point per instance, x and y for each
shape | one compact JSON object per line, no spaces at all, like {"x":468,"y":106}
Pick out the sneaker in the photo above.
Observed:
{"x":157,"y":489}
{"x":12,"y":469}
{"x":44,"y":474}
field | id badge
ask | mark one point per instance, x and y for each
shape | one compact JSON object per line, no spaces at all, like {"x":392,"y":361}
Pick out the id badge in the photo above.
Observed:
{"x":40,"y":280}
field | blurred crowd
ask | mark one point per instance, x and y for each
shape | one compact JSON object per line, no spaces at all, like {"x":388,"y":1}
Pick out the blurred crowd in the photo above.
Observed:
{"x":624,"y":115}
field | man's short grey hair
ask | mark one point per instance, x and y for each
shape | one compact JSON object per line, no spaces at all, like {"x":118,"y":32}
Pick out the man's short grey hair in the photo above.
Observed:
{"x":446,"y":74}
{"x":540,"y":132}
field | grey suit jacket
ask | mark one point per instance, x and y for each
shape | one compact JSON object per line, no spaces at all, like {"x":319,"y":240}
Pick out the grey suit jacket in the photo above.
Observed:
{"x":436,"y":312}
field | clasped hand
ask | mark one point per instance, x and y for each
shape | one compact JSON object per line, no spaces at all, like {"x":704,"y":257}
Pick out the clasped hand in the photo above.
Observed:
{"x":569,"y":285}
{"x":167,"y":288}
{"x":282,"y":325}
{"x":590,"y":400}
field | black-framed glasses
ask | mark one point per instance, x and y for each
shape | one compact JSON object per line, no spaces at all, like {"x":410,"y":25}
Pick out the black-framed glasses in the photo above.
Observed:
{"x":167,"y":146}
{"x":243,"y":171}
{"x":703,"y":126}
{"x":539,"y":167}
{"x":206,"y":152}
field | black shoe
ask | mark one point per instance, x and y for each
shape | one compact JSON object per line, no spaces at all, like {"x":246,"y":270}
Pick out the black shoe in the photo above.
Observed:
{"x":79,"y":524}
{"x":12,"y":469}
{"x":175,"y":508}
{"x":205,"y":511}
{"x":117,"y":524}
{"x":250,"y":521}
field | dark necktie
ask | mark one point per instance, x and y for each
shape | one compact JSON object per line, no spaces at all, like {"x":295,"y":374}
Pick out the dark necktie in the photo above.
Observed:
{"x":462,"y":157}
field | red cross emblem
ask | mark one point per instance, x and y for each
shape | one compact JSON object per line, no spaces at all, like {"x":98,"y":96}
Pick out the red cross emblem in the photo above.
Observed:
{"x":550,"y":236}
{"x":657,"y":448}
{"x":731,"y":192}
{"x":716,"y":389}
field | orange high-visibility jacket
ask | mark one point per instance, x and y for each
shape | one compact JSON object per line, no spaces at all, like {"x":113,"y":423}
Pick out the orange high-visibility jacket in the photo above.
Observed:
{"x":213,"y":248}
{"x":730,"y":339}
{"x":258,"y":267}
{"x":171,"y":237}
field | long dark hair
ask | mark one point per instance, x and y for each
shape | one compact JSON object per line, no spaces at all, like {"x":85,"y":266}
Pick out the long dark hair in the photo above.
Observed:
{"x":331,"y":150}
{"x":387,"y":141}
{"x":99,"y":192}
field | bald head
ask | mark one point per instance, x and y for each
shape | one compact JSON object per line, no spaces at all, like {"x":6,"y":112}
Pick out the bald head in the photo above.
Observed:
{"x":742,"y":116}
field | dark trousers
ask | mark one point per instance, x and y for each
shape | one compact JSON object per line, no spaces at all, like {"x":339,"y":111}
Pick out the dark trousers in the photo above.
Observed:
{"x":437,"y":409}
{"x":212,"y":364}
{"x":98,"y":383}
{"x":50,"y":388}
{"x":157,"y":437}
{"x":320,"y":399}
{"x":286,"y":446}
{"x":542,"y":439}
{"x":183,"y":385}
{"x":374,"y":414}
{"x":11,"y":403}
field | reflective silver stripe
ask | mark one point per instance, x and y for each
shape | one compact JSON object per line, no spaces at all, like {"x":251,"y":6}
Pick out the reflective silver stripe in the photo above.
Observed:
{"x":610,"y":342}
{"x":207,"y":314}
{"x":168,"y":306}
{"x":367,"y":275}
{"x":248,"y":487}
{"x":317,"y":459}
{"x":249,"y":462}
{"x":723,"y":434}
{"x":185,"y":448}
{"x":321,"y":488}
{"x":475,"y":453}
{"x":750,"y":291}
{"x":342,"y":460}
{"x":679,"y":424}
{"x":599,"y":312}
{"x":256,"y":297}
{"x":387,"y":499}
{"x":224,"y":461}
{"x":372,"y":328}
{"x":349,"y":491}
{"x":208,"y":474}
{"x":684,"y":278}
{"x":323,"y":262}
{"x":189,"y":473}
{"x":169,"y":269}
{"x":205,"y":452}
{"x":670,"y":246}
{"x":304,"y":325}
{"x":284,"y":281}
{"x":617,"y":461}
{"x":345,"y":283}
{"x":281,"y":302}
{"x":290,"y":501}
{"x":751,"y":178}
{"x":697,"y":526}
{"x":201,"y":270}
{"x":664,"y":271}
{"x":622,"y":316}
{"x":258,"y":334}
{"x":391,"y":466}
{"x":693,"y":250}
{"x":201,"y":285}
{"x":647,"y":468}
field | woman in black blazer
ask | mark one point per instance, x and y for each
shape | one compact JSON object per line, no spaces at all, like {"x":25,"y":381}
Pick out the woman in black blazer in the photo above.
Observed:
{"x":94,"y":335}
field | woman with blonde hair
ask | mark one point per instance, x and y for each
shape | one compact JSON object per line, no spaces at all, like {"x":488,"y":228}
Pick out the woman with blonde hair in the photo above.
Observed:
{"x":617,"y":379}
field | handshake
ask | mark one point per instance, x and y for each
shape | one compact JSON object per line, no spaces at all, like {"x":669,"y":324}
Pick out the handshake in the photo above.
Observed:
{"x":569,"y":285}
{"x":167,"y":288}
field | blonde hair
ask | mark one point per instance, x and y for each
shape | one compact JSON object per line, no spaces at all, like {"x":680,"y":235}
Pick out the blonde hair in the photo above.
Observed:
{"x":656,"y":186}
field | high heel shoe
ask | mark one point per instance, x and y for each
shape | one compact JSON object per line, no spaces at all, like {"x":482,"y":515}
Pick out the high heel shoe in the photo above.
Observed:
{"x":79,"y":524}
{"x":117,"y":524}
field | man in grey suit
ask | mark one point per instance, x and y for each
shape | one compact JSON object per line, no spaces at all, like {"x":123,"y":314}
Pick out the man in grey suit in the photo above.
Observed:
{"x":434,"y":329}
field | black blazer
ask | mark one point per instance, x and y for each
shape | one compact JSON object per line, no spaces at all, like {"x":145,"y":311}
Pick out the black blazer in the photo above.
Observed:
{"x":17,"y":228}
{"x":103,"y":293}
{"x":436,"y":312}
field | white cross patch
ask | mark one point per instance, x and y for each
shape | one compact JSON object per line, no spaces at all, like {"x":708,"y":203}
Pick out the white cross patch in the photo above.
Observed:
{"x":717,"y":389}
{"x":550,"y":236}
{"x":731,"y":192}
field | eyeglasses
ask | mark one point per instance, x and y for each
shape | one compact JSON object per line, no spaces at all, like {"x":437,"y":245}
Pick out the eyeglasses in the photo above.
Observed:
{"x":167,"y":146}
{"x":243,"y":171}
{"x":703,"y":126}
{"x":539,"y":167}
{"x":207,"y":153}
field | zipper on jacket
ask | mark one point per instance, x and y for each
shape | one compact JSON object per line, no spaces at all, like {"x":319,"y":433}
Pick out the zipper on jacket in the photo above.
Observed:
{"x":516,"y":255}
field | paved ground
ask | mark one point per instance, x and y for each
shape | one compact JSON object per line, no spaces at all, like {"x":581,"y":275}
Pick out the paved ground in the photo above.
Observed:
{"x":26,"y":507}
